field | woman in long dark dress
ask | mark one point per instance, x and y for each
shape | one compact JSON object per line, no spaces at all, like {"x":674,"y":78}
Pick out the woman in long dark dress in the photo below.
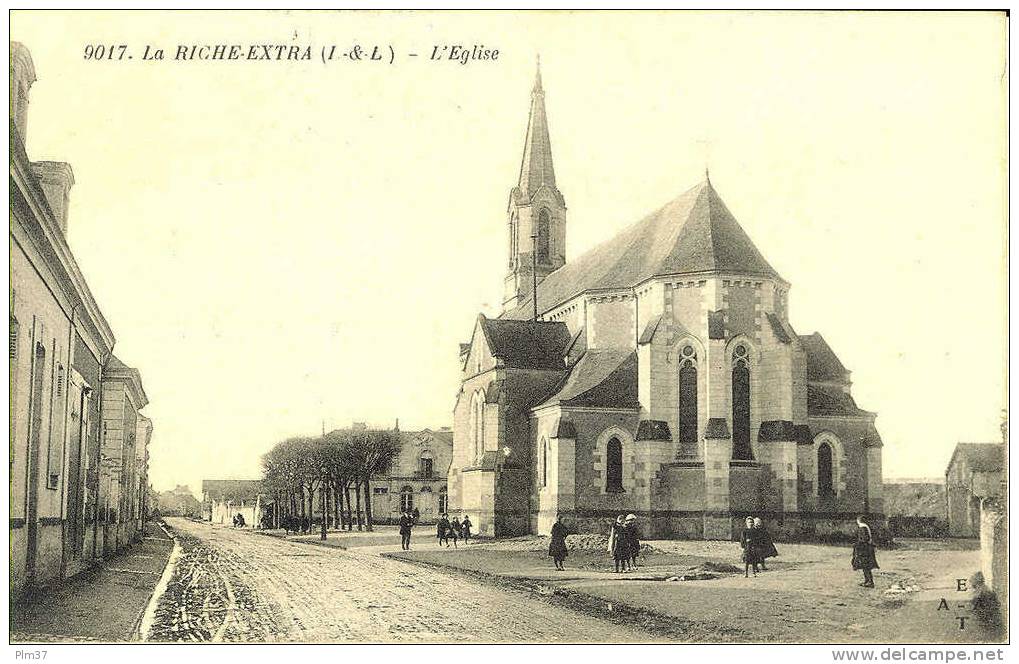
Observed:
{"x":557,"y":547}
{"x":749,"y":539}
{"x":863,"y":553}
{"x":633,"y":539}
{"x":767,"y":546}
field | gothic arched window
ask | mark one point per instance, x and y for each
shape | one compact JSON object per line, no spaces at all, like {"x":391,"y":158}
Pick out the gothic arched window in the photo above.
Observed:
{"x":688,"y":395}
{"x":513,"y":241}
{"x":741,"y":449}
{"x":614,"y":465}
{"x":477,"y":426}
{"x":825,"y":475}
{"x":544,"y":226}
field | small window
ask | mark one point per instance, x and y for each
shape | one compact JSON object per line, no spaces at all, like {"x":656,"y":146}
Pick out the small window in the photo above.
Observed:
{"x":425,"y":465}
{"x":60,"y":380}
{"x":380,"y":490}
{"x":443,"y":501}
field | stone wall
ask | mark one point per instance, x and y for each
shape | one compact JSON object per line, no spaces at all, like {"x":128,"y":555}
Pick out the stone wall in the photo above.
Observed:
{"x":38,"y":320}
{"x":994,"y":550}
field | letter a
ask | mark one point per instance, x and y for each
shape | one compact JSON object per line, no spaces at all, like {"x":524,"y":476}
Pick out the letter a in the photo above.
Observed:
{"x":943,"y":606}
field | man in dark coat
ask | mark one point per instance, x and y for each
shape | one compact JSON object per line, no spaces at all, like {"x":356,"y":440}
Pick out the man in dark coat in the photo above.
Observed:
{"x":557,"y":547}
{"x":466,"y":526}
{"x":406,"y":523}
{"x":863,"y":553}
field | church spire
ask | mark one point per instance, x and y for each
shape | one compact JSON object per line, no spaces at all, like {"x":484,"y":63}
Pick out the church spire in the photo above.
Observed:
{"x":536,"y":210}
{"x":536,"y":167}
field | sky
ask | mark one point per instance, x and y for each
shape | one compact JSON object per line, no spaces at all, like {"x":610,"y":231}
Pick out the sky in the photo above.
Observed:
{"x":282,"y":246}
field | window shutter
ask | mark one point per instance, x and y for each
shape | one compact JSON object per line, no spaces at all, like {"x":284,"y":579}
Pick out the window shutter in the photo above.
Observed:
{"x":13,"y":340}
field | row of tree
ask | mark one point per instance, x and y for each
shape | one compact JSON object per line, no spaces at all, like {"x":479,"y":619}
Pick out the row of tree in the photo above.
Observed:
{"x":335,"y":470}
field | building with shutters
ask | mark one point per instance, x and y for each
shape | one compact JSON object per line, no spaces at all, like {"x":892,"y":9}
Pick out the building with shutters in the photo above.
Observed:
{"x":417,"y":478}
{"x":78,"y":462}
{"x":656,"y":374}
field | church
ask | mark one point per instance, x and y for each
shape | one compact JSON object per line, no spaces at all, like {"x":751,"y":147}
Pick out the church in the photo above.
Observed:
{"x":656,"y":374}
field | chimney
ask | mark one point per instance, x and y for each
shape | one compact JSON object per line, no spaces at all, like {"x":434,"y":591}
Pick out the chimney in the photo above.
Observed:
{"x":56,"y":178}
{"x":22,"y":78}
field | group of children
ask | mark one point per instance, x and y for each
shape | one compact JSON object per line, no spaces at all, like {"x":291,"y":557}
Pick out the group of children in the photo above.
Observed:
{"x":624,"y":542}
{"x":757,"y":545}
{"x":446,"y":530}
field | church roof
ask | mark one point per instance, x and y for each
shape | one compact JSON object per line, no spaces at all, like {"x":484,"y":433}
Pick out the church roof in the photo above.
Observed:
{"x":526,"y":344}
{"x":693,"y":234}
{"x":826,"y":400}
{"x":822,"y":363}
{"x":536,"y":169}
{"x":602,"y":378}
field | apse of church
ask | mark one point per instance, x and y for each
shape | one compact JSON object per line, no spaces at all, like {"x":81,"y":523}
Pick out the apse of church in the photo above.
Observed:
{"x":662,"y":378}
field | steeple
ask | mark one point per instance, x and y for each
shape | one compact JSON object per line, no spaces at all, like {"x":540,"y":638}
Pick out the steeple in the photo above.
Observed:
{"x":536,"y":168}
{"x":536,"y":210}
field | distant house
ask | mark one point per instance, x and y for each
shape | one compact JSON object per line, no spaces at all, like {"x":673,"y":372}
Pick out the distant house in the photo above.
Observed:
{"x":974,"y":473}
{"x":417,"y":478}
{"x":178,"y":502}
{"x":222,"y":500}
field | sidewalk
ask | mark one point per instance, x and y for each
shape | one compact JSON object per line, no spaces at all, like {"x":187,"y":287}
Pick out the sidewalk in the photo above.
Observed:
{"x":102,"y":605}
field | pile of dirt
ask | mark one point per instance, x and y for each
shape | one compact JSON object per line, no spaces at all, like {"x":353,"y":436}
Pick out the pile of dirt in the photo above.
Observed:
{"x":585,"y":542}
{"x":710,"y":566}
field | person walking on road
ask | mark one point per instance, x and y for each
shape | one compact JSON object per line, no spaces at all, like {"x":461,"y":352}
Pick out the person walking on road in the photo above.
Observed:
{"x":454,"y":531}
{"x":749,"y":540}
{"x":557,"y":547}
{"x":863,"y":553}
{"x":442,"y":530}
{"x":767,"y":546}
{"x":619,"y":544}
{"x":465,"y":526}
{"x":406,"y":524}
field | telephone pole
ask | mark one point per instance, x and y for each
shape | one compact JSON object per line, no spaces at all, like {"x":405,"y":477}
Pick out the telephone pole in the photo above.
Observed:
{"x":534,"y":273}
